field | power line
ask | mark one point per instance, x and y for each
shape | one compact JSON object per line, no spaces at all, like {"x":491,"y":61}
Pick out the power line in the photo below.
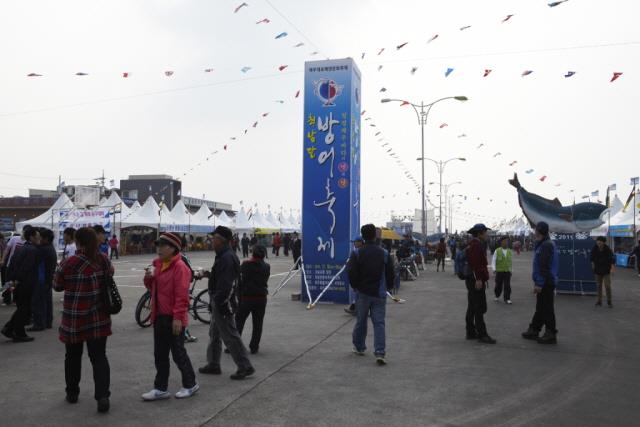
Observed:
{"x":143,"y":94}
{"x":288,"y":21}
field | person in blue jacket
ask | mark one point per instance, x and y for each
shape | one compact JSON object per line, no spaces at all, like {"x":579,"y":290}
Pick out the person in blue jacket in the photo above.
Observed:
{"x":545,"y":278}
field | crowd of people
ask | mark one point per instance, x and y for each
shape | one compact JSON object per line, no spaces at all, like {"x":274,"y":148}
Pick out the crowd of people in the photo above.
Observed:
{"x":31,"y":271}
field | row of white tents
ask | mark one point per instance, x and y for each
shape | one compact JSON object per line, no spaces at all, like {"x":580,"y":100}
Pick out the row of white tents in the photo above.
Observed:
{"x":179,"y":219}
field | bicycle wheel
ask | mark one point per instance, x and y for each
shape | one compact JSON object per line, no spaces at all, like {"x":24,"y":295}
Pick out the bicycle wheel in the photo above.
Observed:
{"x":200,"y":308}
{"x":143,"y":310}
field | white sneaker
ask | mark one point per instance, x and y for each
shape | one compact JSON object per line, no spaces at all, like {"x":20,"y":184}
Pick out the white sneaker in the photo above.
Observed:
{"x":357,"y":352}
{"x":155,"y":394}
{"x":187,"y":392}
{"x":508,"y":301}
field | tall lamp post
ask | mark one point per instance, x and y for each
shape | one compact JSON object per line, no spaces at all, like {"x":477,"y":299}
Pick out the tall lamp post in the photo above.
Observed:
{"x":447,"y":201}
{"x":440,"y":165}
{"x":422,"y":116}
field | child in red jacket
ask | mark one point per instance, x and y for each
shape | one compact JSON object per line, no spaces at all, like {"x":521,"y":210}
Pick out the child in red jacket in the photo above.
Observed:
{"x":169,"y":286}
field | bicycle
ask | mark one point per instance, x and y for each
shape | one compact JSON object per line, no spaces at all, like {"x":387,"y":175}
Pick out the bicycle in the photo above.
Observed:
{"x":198,"y":305}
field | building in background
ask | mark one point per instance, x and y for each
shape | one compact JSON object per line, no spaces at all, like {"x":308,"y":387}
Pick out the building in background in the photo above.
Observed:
{"x":42,"y":193}
{"x":16,"y":209}
{"x":161,"y":187}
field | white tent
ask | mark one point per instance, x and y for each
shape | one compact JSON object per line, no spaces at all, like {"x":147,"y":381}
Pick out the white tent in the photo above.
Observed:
{"x":178,"y":220}
{"x":146,"y":216}
{"x":258,"y":221}
{"x":242,"y":221}
{"x":271,"y":219}
{"x":135,"y":206}
{"x":614,"y":210}
{"x":51,"y":217}
{"x":115,"y":202}
{"x":223,"y":219}
{"x":202,"y":221}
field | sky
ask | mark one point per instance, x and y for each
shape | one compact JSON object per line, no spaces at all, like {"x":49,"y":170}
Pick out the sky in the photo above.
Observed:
{"x":581,"y":132}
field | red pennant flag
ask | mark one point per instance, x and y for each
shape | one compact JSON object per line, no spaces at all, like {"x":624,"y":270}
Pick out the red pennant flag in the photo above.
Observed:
{"x":400,"y":46}
{"x":297,"y":94}
{"x":404,"y":103}
{"x":255,"y":124}
{"x":363,"y":111}
{"x":381,"y":50}
{"x":487,"y":72}
{"x":615,"y":77}
{"x":282,"y":67}
{"x":263,"y":21}
{"x":433,"y":38}
{"x":265,"y":114}
{"x":225,"y":146}
{"x":125,"y":75}
{"x":543,"y":177}
{"x":444,"y":125}
{"x":507,"y":18}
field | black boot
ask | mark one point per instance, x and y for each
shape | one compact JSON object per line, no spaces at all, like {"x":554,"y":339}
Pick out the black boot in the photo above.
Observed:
{"x":486,"y":339}
{"x":472,"y":335}
{"x":103,"y":405}
{"x":548,"y":338}
{"x":530,"y":334}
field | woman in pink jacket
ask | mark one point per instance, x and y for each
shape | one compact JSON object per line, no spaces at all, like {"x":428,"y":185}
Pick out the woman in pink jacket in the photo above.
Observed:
{"x":169,"y":286}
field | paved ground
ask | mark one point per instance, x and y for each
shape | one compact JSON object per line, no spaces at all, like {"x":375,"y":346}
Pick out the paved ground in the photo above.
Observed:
{"x":306,"y":374}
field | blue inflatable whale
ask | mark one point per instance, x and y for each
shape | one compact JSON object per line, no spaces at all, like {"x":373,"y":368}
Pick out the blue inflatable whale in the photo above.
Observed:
{"x":576,"y":218}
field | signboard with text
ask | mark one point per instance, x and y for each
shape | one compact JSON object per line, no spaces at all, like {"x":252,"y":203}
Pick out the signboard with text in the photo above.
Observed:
{"x":78,"y":218}
{"x":331,"y":174}
{"x":575,"y":275}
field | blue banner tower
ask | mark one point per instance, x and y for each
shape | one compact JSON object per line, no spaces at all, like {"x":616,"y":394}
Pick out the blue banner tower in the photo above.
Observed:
{"x":331,"y":174}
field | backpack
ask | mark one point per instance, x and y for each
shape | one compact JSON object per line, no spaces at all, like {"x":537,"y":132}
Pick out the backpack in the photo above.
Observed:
{"x":461,"y":266}
{"x":188,"y":264}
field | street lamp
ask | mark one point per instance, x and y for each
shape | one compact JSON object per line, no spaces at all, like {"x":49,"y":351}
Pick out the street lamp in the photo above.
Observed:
{"x":422,"y":116}
{"x":440,"y":165}
{"x":447,"y":201}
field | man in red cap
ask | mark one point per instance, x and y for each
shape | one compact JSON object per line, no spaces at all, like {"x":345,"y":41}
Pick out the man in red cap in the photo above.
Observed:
{"x":222,"y":282}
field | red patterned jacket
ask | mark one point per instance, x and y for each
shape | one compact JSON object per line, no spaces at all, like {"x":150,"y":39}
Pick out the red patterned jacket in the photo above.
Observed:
{"x":83,"y":317}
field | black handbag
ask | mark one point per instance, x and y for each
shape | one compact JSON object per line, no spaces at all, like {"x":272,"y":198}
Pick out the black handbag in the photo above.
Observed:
{"x":111,"y":298}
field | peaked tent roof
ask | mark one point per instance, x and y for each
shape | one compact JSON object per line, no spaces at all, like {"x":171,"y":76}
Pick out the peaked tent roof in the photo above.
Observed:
{"x":113,"y":201}
{"x":242,"y":221}
{"x":146,"y":216}
{"x":223,"y":219}
{"x":51,"y":216}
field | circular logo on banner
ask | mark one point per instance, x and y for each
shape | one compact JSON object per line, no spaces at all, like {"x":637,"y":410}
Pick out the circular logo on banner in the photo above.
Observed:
{"x":343,"y":167}
{"x":327,"y":91}
{"x":343,"y":183}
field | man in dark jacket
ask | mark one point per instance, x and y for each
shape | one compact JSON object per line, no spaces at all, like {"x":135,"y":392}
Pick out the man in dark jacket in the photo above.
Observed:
{"x":545,"y":278}
{"x":42,"y":296}
{"x":296,"y":248}
{"x":244,"y":242}
{"x":603,"y":261}
{"x":252,"y":294}
{"x":371,"y":274}
{"x":476,"y":285}
{"x":23,"y":273}
{"x":222,"y":282}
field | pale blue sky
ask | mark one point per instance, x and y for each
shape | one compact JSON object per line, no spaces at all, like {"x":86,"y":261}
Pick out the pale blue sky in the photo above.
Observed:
{"x":580,"y":131}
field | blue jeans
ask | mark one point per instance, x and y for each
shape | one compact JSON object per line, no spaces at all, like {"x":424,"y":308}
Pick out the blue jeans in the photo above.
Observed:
{"x":366,"y":304}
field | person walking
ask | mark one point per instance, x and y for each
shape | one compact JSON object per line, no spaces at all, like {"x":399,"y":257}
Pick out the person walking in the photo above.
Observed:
{"x":113,"y":245}
{"x":244,"y":242}
{"x":277,"y":242}
{"x":13,"y":245}
{"x":603,"y":264}
{"x":69,"y":248}
{"x":636,"y":252}
{"x":371,"y":273}
{"x":103,"y":246}
{"x":351,"y":309}
{"x":441,"y":253}
{"x":82,"y":277}
{"x":286,"y":243}
{"x":502,"y":265}
{"x":42,"y":297}
{"x":23,"y":273}
{"x":169,"y":286}
{"x":545,"y":278}
{"x":222,"y":282}
{"x":296,"y":250}
{"x":252,"y":295}
{"x":476,"y":285}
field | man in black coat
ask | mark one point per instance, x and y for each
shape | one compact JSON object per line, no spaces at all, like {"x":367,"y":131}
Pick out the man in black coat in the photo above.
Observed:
{"x":244,"y":242}
{"x":222,"y":282}
{"x":296,"y":248}
{"x":42,"y":296}
{"x":24,"y":275}
{"x":371,"y":274}
{"x":603,"y":261}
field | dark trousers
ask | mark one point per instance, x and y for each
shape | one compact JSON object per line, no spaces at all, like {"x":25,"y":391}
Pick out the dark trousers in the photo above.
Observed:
{"x":256,"y":308}
{"x":6,"y":295}
{"x":503,"y":281}
{"x":545,"y":314}
{"x":42,"y":306}
{"x":286,"y":250}
{"x":223,"y":328}
{"x":98,"y":357}
{"x":276,"y":250}
{"x":22,"y":315}
{"x":440,"y":259}
{"x":114,"y":251}
{"x":164,"y":341}
{"x":245,"y":252}
{"x":476,"y":308}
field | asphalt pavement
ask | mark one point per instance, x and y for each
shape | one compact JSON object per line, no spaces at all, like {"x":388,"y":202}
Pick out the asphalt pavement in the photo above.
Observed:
{"x":307,"y":376}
